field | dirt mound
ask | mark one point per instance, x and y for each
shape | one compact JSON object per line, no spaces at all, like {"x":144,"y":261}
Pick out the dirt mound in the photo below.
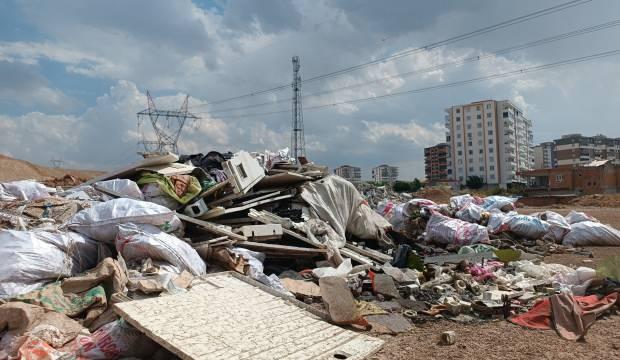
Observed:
{"x":604,"y":200}
{"x":14,"y":169}
{"x":439,"y":194}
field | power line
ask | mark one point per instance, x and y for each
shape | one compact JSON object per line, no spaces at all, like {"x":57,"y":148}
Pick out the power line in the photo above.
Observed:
{"x":449,"y":85}
{"x":484,"y":30}
{"x":504,"y":51}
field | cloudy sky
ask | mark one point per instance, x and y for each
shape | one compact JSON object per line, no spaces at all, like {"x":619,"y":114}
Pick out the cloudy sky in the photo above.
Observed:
{"x":73,"y":74}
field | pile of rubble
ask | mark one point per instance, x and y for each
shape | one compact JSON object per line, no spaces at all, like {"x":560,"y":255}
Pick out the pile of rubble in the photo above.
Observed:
{"x":178,"y":256}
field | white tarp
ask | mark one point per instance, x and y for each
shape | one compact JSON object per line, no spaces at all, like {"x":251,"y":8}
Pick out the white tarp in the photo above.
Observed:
{"x":101,"y":221}
{"x":590,"y":233}
{"x":32,"y":258}
{"x":337,"y":202}
{"x":445,"y":230}
{"x":137,"y":242}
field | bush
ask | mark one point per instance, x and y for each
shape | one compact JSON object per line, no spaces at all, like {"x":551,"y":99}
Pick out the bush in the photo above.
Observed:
{"x":406,"y":186}
{"x":475,"y":182}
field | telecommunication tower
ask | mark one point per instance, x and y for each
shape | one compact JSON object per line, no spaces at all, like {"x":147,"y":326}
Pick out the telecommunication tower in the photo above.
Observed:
{"x":167,"y":125}
{"x":298,"y":142}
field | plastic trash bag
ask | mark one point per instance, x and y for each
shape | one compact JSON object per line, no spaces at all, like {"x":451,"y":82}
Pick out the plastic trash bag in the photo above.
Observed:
{"x":255,"y":260}
{"x":444,"y":230}
{"x":457,"y":202}
{"x":502,"y":203}
{"x":558,"y":226}
{"x":115,"y":340}
{"x":341,"y":271}
{"x":31,"y":259}
{"x":590,"y":233}
{"x":25,"y":190}
{"x":470,"y":213}
{"x":137,"y":242}
{"x":526,"y":226}
{"x":153,"y":193}
{"x":101,"y":221}
{"x":125,"y":187}
{"x":575,"y":217}
{"x":575,"y":282}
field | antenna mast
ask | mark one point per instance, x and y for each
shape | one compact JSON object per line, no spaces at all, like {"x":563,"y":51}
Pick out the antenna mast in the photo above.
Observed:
{"x":298,"y":142}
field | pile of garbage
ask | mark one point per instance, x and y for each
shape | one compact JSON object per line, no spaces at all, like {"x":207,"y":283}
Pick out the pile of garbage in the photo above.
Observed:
{"x":157,"y":227}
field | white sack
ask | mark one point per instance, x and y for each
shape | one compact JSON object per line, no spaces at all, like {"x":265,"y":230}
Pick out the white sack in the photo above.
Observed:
{"x":101,"y":221}
{"x":457,"y":202}
{"x":341,"y":271}
{"x":153,"y":193}
{"x":337,"y":202}
{"x":255,"y":260}
{"x":29,"y":259}
{"x":590,"y":233}
{"x":26,"y":190}
{"x":558,"y":226}
{"x":444,"y":230}
{"x":125,"y":187}
{"x":470,"y":213}
{"x":576,"y":282}
{"x":397,"y":214}
{"x":499,"y":202}
{"x":574,"y":217}
{"x":137,"y":242}
{"x":521,"y":225}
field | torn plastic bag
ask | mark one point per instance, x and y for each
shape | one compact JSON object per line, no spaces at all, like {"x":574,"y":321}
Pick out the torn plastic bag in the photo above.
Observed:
{"x":589,"y":233}
{"x":575,"y":282}
{"x":575,"y":217}
{"x":457,"y":202}
{"x":470,"y":213}
{"x":337,"y":202}
{"x":115,"y":340}
{"x":558,"y":226}
{"x":341,"y":271}
{"x":101,"y":221}
{"x":502,"y":203}
{"x":444,"y":230}
{"x":26,"y":189}
{"x":399,"y":214}
{"x":32,"y":258}
{"x":141,"y":241}
{"x":255,"y":260}
{"x":153,"y":193}
{"x":521,"y":225}
{"x":125,"y":187}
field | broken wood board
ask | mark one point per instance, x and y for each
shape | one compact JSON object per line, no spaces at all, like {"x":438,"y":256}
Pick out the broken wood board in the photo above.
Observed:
{"x":218,"y":213}
{"x":129,"y":170}
{"x":275,"y":249}
{"x":169,"y":169}
{"x":359,"y":258}
{"x":231,"y":317}
{"x":211,"y":227}
{"x":281,"y":180}
{"x":456,"y":258}
{"x":301,"y":288}
{"x":262,"y":232}
{"x":370,"y":253}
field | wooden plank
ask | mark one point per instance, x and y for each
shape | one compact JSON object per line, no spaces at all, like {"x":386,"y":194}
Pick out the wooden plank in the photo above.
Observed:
{"x":211,"y":227}
{"x":262,"y":232}
{"x":370,"y":253}
{"x":359,"y":258}
{"x":210,"y":215}
{"x":280,"y":249}
{"x":131,"y":169}
{"x":281,"y":180}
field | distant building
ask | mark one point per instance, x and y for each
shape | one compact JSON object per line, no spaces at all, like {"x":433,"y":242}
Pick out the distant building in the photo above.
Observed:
{"x":385,"y":174}
{"x":595,"y":177}
{"x":576,"y":149}
{"x":491,"y":139}
{"x":436,"y":163}
{"x":544,"y":155}
{"x":351,"y":173}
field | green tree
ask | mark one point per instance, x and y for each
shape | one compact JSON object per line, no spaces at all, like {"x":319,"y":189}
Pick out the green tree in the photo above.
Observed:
{"x":416,"y":185}
{"x":401,"y":186}
{"x":475,"y":182}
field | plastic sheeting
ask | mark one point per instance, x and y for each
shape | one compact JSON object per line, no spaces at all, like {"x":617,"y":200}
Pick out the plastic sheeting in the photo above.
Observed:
{"x":25,"y":190}
{"x":470,"y":213}
{"x":558,"y":226}
{"x":125,"y":187}
{"x":337,"y":202}
{"x":457,"y":202}
{"x":502,"y":203}
{"x":444,"y":230}
{"x":32,"y":258}
{"x":590,"y":233}
{"x":397,"y":214}
{"x":101,"y":221}
{"x":137,"y":242}
{"x":521,"y":225}
{"x":255,"y":260}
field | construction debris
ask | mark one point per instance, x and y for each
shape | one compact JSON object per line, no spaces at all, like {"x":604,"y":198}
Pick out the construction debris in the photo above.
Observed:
{"x":123,"y":259}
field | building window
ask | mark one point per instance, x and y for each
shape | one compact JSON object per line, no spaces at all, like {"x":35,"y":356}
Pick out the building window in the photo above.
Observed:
{"x":468,"y":126}
{"x":490,"y":150}
{"x":478,"y":116}
{"x":469,"y":143}
{"x":471,"y":169}
{"x":490,"y":123}
{"x":458,"y":111}
{"x":491,"y":167}
{"x":479,"y":125}
{"x":448,"y":138}
{"x":480,"y":159}
{"x":505,"y":114}
{"x":482,"y":168}
{"x":470,"y":160}
{"x":490,"y":132}
{"x":460,"y":152}
{"x":492,"y":176}
{"x":460,"y":178}
{"x":559,"y":178}
{"x":491,"y":159}
{"x":471,"y":152}
{"x":459,"y":144}
{"x":490,"y":141}
{"x":468,"y":118}
{"x":460,"y":161}
{"x":459,"y":135}
{"x":469,"y":135}
{"x":488,"y":106}
{"x":458,"y":127}
{"x":479,"y":133}
{"x":478,"y":107}
{"x":489,"y":115}
{"x":458,"y":118}
{"x":480,"y":142}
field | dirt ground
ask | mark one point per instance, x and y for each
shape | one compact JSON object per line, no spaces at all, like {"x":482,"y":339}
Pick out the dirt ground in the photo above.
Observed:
{"x":15,"y":169}
{"x":502,"y":340}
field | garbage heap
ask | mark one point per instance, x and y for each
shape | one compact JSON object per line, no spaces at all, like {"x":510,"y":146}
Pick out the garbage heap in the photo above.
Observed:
{"x":157,"y":227}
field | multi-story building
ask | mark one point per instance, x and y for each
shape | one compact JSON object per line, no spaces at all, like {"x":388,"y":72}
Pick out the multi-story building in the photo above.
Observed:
{"x":351,"y":173}
{"x":544,"y":155}
{"x":578,"y":150}
{"x":436,"y":163}
{"x":385,"y":174}
{"x":491,"y":139}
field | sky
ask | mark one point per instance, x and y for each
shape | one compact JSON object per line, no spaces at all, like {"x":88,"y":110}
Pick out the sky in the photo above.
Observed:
{"x":74,"y":73}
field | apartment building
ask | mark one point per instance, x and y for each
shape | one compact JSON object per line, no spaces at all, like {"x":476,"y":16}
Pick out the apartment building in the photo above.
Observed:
{"x":491,"y":139}
{"x":578,"y":150}
{"x":385,"y":174}
{"x":436,"y":163}
{"x":351,"y":173}
{"x":544,"y":155}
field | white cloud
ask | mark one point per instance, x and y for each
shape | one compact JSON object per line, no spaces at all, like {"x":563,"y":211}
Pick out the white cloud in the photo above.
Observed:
{"x":418,"y":134}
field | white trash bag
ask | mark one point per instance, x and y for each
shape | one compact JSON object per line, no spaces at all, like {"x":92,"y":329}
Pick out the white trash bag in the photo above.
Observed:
{"x":137,"y":242}
{"x":25,"y":190}
{"x":575,"y":217}
{"x":502,"y":203}
{"x":101,"y":221}
{"x":444,"y":230}
{"x":525,"y":226}
{"x":590,"y":233}
{"x":125,"y":187}
{"x":470,"y":213}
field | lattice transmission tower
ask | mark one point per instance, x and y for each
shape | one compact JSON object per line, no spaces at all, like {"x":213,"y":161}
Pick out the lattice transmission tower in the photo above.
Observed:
{"x":167,"y":125}
{"x":298,"y":142}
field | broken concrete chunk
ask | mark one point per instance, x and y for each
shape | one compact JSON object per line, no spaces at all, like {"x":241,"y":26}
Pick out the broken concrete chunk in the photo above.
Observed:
{"x":384,"y":285}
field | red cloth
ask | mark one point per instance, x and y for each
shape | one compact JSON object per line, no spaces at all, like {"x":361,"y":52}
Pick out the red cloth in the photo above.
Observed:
{"x":540,"y":315}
